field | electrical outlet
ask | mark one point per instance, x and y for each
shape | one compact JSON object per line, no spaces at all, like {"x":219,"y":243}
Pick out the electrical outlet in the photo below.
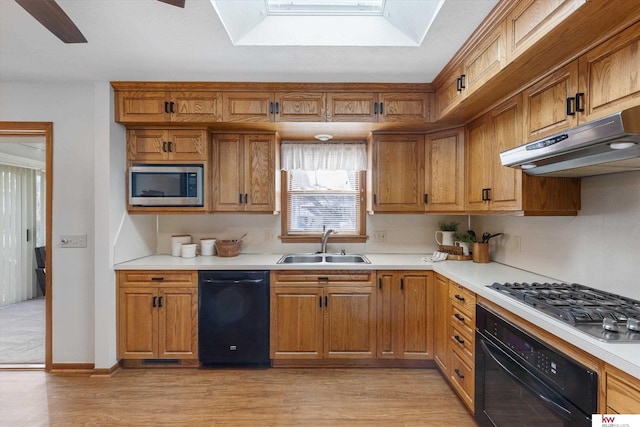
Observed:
{"x":73,"y":240}
{"x":271,"y":236}
{"x":379,"y":236}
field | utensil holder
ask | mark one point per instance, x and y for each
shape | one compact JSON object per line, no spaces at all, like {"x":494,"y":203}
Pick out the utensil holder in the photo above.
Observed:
{"x":480,"y":252}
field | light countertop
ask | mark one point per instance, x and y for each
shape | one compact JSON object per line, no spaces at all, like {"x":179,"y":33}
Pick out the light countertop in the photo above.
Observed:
{"x":476,"y":277}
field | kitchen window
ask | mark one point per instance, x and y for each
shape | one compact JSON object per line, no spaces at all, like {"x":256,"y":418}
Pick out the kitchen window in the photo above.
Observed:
{"x":323,"y":188}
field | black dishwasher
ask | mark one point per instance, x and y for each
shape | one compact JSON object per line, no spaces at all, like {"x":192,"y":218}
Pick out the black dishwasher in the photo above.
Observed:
{"x":233,"y":318}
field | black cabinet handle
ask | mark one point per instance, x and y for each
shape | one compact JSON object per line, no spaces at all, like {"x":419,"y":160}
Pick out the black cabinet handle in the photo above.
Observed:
{"x":160,"y":302}
{"x":164,"y":146}
{"x":157,"y":279}
{"x":271,"y":108}
{"x":402,"y":284}
{"x":171,"y":104}
{"x":459,"y":84}
{"x":277,"y":108}
{"x":240,"y":198}
{"x":380,"y":283}
{"x":570,"y":108}
{"x":426,"y":198}
{"x":462,"y":77}
{"x":457,"y":338}
{"x":154,"y":304}
{"x":460,"y":318}
{"x":381,"y":108}
{"x":485,"y":195}
{"x":375,"y":108}
{"x":246,"y":198}
{"x":323,"y":279}
{"x":459,"y":298}
{"x":166,"y":107}
{"x":457,"y":371}
{"x":170,"y":146}
{"x":326,"y":301}
{"x":579,"y":102}
{"x":488,"y":199}
{"x":320,"y":301}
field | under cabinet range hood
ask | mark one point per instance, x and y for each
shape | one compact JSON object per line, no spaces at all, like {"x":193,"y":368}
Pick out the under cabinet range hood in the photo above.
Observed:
{"x":607,"y":145}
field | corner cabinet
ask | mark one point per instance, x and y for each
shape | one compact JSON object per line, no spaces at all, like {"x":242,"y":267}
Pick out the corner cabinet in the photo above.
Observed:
{"x":244,"y":168}
{"x":322,"y":315}
{"x":405,"y":314}
{"x":489,"y":186}
{"x":168,"y":107}
{"x":157,"y":314}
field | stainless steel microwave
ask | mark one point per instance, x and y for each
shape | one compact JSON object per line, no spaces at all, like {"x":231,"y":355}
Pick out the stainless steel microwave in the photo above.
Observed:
{"x":166,"y":185}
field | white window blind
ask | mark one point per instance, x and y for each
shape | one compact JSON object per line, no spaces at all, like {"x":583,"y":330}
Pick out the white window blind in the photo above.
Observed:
{"x":323,"y":187}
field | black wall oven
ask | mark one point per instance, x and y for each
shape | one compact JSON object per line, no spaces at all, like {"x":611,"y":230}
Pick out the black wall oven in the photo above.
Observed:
{"x":521,"y":381}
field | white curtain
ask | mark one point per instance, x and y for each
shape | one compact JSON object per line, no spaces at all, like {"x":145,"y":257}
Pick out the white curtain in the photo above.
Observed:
{"x":17,"y":215}
{"x":324,"y":156}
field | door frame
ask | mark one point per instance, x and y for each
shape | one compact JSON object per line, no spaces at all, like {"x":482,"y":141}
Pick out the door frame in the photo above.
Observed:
{"x":41,"y":129}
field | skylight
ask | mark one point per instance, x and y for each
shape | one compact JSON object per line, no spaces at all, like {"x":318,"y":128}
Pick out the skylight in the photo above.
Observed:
{"x":325,"y":8}
{"x":327,"y":22}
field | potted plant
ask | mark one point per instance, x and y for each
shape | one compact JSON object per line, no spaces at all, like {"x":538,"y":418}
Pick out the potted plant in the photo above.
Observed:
{"x":446,"y":232}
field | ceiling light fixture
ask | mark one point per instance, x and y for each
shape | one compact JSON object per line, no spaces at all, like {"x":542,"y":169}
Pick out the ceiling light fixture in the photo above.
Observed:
{"x":323,"y":137}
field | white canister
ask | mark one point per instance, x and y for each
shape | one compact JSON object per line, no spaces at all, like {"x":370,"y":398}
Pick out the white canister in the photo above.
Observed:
{"x":465,"y":247}
{"x":446,"y":238}
{"x":177,"y":240}
{"x":188,"y":250}
{"x":207,"y":246}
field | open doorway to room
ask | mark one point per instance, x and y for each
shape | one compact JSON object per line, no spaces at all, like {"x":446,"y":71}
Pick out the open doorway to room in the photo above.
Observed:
{"x":25,"y":226}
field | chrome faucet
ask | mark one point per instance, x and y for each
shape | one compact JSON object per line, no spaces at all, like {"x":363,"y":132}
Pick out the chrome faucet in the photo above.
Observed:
{"x":325,"y":238}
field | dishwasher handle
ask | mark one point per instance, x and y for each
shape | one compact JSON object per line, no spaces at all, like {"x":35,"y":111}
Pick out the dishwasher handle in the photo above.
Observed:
{"x":233,"y":281}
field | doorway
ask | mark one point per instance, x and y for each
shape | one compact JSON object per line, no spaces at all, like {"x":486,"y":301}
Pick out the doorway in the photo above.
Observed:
{"x":37,"y":134}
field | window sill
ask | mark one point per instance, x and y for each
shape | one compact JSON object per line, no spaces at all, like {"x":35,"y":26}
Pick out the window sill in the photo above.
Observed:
{"x":318,"y":239}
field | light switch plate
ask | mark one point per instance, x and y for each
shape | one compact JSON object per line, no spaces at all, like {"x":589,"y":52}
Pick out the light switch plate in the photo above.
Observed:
{"x":73,"y":240}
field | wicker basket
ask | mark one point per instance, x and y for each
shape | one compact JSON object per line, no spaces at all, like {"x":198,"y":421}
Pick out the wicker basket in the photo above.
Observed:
{"x":228,"y":248}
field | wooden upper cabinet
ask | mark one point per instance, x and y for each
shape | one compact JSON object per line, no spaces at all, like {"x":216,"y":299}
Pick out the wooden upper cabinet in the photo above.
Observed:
{"x":485,"y":61}
{"x":609,"y":75}
{"x":300,"y":106}
{"x":248,"y":107}
{"x":449,"y":94}
{"x":548,"y":102}
{"x":352,"y":107}
{"x":532,"y":19}
{"x":164,"y":107}
{"x":477,"y":153}
{"x":157,"y":145}
{"x":444,"y":171}
{"x":398,"y":173}
{"x":404,"y":107}
{"x":244,"y":172}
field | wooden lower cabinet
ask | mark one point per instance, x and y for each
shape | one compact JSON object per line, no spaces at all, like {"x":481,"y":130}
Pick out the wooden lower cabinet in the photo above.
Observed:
{"x":621,"y":392}
{"x":157,"y":315}
{"x":405,"y":314}
{"x":441,"y":313}
{"x":316,"y":315}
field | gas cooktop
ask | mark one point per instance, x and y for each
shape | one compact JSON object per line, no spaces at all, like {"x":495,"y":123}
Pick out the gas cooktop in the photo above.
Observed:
{"x":603,"y":315}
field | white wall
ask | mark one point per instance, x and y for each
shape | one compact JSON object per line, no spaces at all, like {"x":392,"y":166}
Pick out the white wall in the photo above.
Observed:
{"x":599,"y":248}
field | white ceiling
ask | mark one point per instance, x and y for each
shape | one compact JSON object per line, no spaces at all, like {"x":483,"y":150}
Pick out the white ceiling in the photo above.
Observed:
{"x":147,"y":40}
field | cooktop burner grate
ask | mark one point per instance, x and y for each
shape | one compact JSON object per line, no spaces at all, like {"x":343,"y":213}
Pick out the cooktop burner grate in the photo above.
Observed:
{"x":598,"y":313}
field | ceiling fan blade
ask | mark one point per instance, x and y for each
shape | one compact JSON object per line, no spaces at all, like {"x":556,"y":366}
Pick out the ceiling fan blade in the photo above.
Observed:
{"x":54,"y":19}
{"x":179,"y":3}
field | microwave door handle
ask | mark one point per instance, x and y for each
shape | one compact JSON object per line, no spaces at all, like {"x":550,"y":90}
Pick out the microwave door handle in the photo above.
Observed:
{"x":529,"y":382}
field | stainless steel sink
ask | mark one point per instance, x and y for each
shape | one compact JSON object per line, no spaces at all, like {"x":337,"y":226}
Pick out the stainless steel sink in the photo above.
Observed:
{"x":324,"y":259}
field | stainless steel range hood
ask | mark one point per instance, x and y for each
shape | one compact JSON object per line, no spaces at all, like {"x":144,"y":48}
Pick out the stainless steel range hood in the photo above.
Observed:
{"x":607,"y":145}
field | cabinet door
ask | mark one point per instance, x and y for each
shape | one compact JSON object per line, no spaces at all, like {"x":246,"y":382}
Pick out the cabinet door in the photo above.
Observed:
{"x":350,"y":322}
{"x":442,"y":310}
{"x":547,"y":103}
{"x":228,"y":172}
{"x":389,"y":312}
{"x":506,"y":133}
{"x":196,"y":107}
{"x":486,"y":60}
{"x":530,"y":20}
{"x":462,"y":379}
{"x":178,"y":323}
{"x":147,"y":145}
{"x":610,"y":75}
{"x":259,"y":173}
{"x":417,"y":311}
{"x":138,"y":323}
{"x":250,"y":107}
{"x":404,"y":107}
{"x":300,"y":107}
{"x":444,"y":171}
{"x":449,"y":94}
{"x":352,"y":107}
{"x":398,"y":173}
{"x":138,"y":107}
{"x":296,"y":322}
{"x":187,"y":145}
{"x":477,"y":149}
{"x":622,"y":392}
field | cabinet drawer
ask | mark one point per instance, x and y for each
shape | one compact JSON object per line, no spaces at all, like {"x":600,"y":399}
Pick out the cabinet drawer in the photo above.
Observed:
{"x":463,"y":299}
{"x":463,"y":321}
{"x":321,"y":277}
{"x":462,"y":343}
{"x":158,"y":278}
{"x":462,"y":379}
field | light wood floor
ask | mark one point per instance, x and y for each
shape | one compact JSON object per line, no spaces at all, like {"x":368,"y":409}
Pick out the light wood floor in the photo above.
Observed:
{"x":231,"y":397}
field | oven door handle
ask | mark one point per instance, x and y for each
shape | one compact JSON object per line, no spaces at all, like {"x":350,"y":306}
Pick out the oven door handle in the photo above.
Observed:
{"x":532,"y":384}
{"x":233,"y":281}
